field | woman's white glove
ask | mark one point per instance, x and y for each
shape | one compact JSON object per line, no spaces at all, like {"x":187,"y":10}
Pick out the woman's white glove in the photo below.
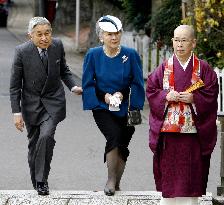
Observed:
{"x":115,"y":100}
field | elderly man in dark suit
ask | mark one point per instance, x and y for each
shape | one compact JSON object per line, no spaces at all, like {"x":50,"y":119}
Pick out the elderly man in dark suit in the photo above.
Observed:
{"x":37,"y":95}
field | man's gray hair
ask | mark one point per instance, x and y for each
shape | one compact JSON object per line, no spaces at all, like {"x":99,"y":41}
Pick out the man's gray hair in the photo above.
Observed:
{"x":37,"y":21}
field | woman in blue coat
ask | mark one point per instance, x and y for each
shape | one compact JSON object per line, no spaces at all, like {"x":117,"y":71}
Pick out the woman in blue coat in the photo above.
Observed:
{"x":109,"y":73}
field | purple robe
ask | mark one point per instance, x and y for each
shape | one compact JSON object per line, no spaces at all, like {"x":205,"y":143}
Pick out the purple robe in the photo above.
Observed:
{"x":181,"y":160}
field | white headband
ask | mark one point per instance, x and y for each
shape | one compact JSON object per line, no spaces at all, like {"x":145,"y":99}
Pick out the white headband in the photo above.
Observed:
{"x":110,"y":23}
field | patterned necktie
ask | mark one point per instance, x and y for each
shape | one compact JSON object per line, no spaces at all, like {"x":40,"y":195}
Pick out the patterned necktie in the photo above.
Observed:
{"x":44,"y":59}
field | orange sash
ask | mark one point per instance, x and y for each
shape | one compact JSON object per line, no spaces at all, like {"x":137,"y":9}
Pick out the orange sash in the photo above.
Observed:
{"x":178,"y":117}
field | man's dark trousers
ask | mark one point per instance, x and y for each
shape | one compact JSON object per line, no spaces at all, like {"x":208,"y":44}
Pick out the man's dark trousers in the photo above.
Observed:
{"x":41,"y":145}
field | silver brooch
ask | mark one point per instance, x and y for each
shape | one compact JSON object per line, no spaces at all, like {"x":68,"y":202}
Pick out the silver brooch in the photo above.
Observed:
{"x":125,"y":58}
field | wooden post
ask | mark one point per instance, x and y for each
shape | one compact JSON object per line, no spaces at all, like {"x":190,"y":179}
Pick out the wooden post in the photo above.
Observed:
{"x":36,"y":8}
{"x":42,"y":8}
{"x":77,"y":24}
{"x":220,"y":189}
{"x":184,"y":8}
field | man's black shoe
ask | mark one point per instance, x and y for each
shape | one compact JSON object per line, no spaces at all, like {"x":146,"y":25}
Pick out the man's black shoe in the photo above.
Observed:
{"x":42,"y":188}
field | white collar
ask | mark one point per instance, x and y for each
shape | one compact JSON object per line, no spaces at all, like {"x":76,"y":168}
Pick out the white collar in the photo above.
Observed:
{"x":40,"y":49}
{"x":184,"y":66}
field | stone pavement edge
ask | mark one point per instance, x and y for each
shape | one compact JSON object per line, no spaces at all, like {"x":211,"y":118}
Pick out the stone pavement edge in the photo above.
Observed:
{"x":28,"y":197}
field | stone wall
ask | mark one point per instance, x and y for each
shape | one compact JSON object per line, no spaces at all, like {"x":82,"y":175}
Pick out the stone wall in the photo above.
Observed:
{"x":66,"y":12}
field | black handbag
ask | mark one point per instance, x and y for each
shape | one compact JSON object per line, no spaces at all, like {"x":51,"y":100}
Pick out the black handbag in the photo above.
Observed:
{"x":134,"y":116}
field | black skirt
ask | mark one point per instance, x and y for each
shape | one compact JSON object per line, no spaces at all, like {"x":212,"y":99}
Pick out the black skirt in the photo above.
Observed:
{"x":115,"y":130}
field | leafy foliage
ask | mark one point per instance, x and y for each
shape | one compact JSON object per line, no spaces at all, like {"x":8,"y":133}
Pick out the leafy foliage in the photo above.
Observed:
{"x":164,"y":21}
{"x":137,"y":12}
{"x":117,"y":3}
{"x":209,"y":24}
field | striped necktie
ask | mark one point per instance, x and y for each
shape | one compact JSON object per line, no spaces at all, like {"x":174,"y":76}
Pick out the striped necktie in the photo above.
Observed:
{"x":44,"y":59}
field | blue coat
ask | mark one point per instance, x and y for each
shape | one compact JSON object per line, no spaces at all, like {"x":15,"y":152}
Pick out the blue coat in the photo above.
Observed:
{"x":102,"y":74}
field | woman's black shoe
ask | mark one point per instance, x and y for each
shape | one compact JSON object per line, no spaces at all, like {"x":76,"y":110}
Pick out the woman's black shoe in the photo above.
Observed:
{"x":108,"y":191}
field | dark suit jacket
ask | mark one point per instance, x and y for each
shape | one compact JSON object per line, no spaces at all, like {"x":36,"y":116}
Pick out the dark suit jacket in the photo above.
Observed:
{"x":32,"y":91}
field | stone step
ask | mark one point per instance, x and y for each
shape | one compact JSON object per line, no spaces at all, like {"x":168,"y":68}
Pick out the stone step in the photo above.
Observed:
{"x":30,"y":197}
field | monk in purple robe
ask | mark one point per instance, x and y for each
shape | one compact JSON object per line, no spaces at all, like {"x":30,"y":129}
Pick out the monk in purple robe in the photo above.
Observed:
{"x":182,"y":94}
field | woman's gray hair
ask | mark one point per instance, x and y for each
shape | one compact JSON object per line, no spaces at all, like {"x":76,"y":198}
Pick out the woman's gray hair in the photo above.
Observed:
{"x":99,"y":31}
{"x":37,"y":21}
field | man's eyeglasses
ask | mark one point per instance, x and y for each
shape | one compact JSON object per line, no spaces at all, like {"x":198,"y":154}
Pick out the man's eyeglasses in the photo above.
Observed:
{"x":177,"y":40}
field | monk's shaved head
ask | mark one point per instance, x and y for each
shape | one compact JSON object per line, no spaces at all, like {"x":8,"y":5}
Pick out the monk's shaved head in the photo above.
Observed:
{"x":189,"y":29}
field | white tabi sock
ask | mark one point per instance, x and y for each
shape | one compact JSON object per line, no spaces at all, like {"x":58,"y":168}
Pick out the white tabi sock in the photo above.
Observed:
{"x":187,"y":200}
{"x":167,"y":201}
{"x":179,"y":201}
